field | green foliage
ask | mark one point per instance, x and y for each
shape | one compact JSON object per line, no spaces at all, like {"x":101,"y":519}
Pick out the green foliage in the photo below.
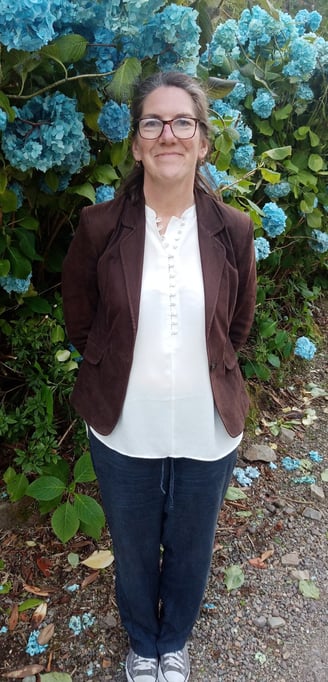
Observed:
{"x":38,"y":367}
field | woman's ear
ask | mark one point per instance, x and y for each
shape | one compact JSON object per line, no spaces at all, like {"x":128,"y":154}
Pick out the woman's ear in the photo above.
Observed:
{"x":135,"y":150}
{"x":203,"y":150}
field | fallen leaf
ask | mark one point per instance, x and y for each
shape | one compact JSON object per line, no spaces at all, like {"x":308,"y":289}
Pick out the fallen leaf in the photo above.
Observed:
{"x":324,"y":475}
{"x":99,"y":559}
{"x":89,"y":579}
{"x":37,"y":590}
{"x":56,"y":677}
{"x":46,"y":634}
{"x":44,"y":565}
{"x":13,"y":618}
{"x":73,"y":559}
{"x":28,"y":670}
{"x":266,"y":555}
{"x":29,"y":604}
{"x":234,"y":493}
{"x":234,"y":577}
{"x":39,"y":614}
{"x":257,"y":562}
{"x":309,"y":589}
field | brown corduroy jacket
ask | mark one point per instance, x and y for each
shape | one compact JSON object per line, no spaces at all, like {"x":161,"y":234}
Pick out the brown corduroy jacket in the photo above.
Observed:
{"x":101,"y":285}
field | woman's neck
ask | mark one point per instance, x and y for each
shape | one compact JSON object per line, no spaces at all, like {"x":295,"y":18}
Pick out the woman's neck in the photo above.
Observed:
{"x":166,"y":205}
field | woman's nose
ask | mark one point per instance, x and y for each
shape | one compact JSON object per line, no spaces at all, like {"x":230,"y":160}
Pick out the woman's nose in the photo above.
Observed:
{"x":167,"y":133}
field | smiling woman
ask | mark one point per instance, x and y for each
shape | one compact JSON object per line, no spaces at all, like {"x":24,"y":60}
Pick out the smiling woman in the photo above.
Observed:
{"x":159,"y":294}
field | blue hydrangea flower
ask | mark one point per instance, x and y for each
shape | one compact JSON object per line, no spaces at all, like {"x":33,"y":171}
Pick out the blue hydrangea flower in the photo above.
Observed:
{"x":303,"y":57}
{"x":304,"y":348}
{"x":79,"y":623}
{"x":243,"y":157}
{"x":246,"y":476}
{"x":114,"y":121}
{"x":321,"y":46}
{"x":14,"y":284}
{"x":26,"y":25}
{"x":177,"y":29}
{"x":319,"y":241}
{"x":33,"y":647}
{"x":47,"y":133}
{"x":3,"y":120}
{"x":315,"y":457}
{"x":245,"y":133}
{"x":305,"y":20}
{"x":216,"y":178}
{"x":304,"y":92}
{"x":274,"y":220}
{"x":262,"y":248}
{"x":278,"y":190}
{"x":290,"y":464}
{"x":225,"y":35}
{"x":104,"y":193}
{"x":304,"y":479}
{"x":242,"y":88}
{"x":263,"y":103}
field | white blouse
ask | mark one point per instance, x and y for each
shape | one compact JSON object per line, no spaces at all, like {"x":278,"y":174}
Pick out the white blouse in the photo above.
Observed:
{"x":169,"y":409}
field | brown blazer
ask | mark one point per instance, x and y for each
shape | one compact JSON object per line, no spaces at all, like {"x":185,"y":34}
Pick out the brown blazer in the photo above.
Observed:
{"x":101,"y":286}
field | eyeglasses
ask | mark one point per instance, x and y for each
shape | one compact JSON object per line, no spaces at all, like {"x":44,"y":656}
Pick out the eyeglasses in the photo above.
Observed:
{"x":182,"y":127}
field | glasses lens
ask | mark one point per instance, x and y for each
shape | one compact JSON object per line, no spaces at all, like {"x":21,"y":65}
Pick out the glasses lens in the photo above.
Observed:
{"x":184,"y":128}
{"x":150,"y":128}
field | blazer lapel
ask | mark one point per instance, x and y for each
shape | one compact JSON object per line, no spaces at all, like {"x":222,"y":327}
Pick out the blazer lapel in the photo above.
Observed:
{"x":132,"y":253}
{"x":212,"y":254}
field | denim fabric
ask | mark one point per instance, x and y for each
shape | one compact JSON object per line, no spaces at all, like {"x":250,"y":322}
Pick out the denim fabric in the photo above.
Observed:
{"x":154,"y":503}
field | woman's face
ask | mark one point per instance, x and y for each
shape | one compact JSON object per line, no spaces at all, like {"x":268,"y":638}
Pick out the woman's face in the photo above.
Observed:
{"x":168,"y":159}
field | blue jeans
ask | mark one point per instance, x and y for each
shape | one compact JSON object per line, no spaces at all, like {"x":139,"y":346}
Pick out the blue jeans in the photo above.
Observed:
{"x":149,"y":503}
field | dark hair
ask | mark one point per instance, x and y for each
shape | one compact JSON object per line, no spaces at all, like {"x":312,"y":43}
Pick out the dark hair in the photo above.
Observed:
{"x":133,"y":184}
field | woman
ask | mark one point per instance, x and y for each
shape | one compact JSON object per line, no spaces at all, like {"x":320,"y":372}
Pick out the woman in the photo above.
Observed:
{"x":159,"y":292}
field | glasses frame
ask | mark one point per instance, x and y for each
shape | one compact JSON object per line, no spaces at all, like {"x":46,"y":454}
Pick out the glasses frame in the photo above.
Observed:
{"x":168,"y":122}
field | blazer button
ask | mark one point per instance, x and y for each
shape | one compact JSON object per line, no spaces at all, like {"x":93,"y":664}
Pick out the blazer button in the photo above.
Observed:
{"x":213,"y":366}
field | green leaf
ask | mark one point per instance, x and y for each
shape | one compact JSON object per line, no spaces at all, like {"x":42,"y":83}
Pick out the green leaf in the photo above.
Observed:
{"x":270,"y":176}
{"x":38,"y":305}
{"x":65,"y":522}
{"x":17,"y":487}
{"x":308,"y":589}
{"x":89,"y":510}
{"x":124,"y":79}
{"x":20,"y":266}
{"x":4,"y":267}
{"x":29,"y":223}
{"x":90,"y":530}
{"x":314,"y":139}
{"x":67,"y":49}
{"x":219,"y":87}
{"x":274,"y":360}
{"x":315,"y":162}
{"x":314,"y":219}
{"x":324,"y":475}
{"x":83,"y":469}
{"x":244,"y":514}
{"x":234,"y":493}
{"x":26,"y":241}
{"x":55,"y":677}
{"x":267,"y":328}
{"x":46,"y":488}
{"x":63,"y":355}
{"x":234,"y":577}
{"x":279,"y":153}
{"x":85,"y":190}
{"x":73,"y":559}
{"x":104,"y":174}
{"x":8,"y":201}
{"x":29,"y":604}
{"x":5,"y":105}
{"x":57,"y":334}
{"x":283,"y":113}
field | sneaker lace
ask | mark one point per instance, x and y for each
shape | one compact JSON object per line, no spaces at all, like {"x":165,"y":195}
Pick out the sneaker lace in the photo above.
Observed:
{"x":140,"y":664}
{"x":174,"y":660}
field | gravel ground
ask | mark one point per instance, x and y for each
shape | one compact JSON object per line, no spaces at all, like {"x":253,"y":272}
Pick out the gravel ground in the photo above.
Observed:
{"x":263,"y":631}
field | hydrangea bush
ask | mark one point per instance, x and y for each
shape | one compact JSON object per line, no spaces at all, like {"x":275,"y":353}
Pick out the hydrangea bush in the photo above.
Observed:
{"x":67,"y":73}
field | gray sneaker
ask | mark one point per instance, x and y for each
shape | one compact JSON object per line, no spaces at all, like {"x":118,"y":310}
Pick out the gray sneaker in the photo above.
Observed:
{"x":174,"y":667}
{"x":140,"y":669}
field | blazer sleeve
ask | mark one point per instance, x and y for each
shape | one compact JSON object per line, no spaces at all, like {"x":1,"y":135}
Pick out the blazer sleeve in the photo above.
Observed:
{"x":79,"y":282}
{"x":246,"y":295}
